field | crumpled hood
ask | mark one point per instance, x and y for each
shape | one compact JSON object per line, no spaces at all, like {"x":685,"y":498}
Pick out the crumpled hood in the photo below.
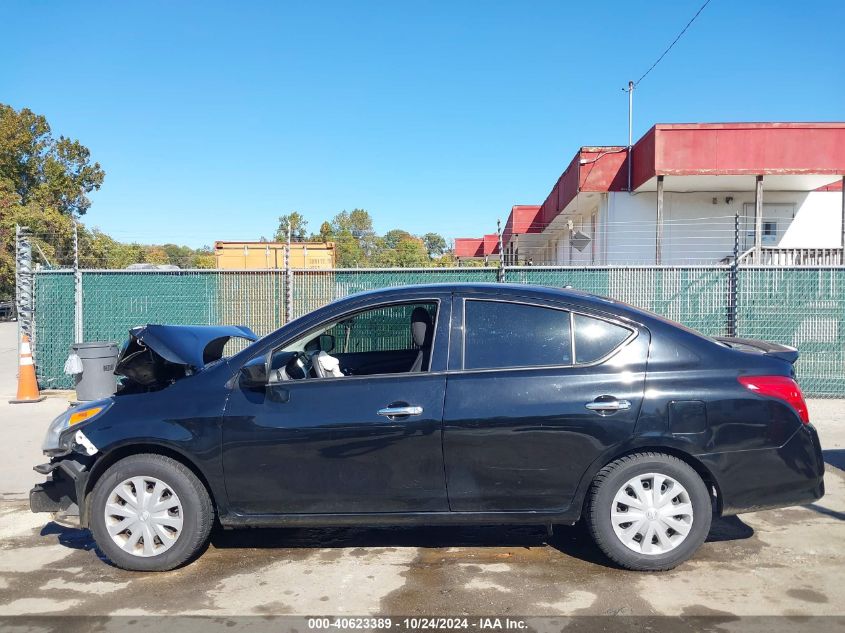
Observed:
{"x":162,"y":353}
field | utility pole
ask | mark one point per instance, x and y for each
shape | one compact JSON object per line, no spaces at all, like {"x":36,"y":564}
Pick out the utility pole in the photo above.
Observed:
{"x":77,"y":288}
{"x":630,"y":128}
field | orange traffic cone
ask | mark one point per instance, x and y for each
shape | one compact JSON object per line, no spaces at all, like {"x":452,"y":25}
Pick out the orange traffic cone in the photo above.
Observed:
{"x":27,"y":384}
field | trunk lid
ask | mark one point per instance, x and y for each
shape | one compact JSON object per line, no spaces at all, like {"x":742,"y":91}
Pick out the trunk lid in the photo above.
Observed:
{"x":157,"y":355}
{"x":776,"y":350}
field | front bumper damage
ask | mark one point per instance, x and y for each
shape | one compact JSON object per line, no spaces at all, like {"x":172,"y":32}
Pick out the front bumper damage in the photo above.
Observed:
{"x":63,"y":493}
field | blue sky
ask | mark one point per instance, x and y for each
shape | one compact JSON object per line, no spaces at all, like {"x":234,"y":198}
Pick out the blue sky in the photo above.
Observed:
{"x":211,"y":119}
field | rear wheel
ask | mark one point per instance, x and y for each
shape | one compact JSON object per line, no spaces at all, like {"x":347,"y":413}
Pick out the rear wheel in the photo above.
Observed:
{"x":150,"y":513}
{"x":649,"y":511}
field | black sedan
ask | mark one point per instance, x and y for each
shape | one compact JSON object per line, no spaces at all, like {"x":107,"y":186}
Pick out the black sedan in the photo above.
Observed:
{"x":440,"y":404}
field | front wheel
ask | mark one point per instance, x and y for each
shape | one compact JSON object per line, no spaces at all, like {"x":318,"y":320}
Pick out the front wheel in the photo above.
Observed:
{"x":649,"y":511}
{"x":150,"y":513}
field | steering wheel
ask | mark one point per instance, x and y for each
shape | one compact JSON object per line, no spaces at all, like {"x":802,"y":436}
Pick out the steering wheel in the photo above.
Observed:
{"x":300,"y":366}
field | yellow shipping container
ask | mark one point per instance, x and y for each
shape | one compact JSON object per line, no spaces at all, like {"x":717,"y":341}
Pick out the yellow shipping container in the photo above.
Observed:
{"x":271,"y":255}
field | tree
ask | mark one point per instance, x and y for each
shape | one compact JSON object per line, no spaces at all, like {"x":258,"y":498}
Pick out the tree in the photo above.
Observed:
{"x":178,"y":255}
{"x":204,"y":258}
{"x":51,"y":238}
{"x":447,"y":260}
{"x":435,"y":244}
{"x":102,"y":251}
{"x":383,"y":256}
{"x":411,"y":253}
{"x":326,"y":232}
{"x":43,"y":184}
{"x":42,"y":170}
{"x":298,"y":227}
{"x":398,"y":248}
{"x":394,"y":237}
{"x":155,"y":255}
{"x":355,"y":239}
{"x":348,"y":252}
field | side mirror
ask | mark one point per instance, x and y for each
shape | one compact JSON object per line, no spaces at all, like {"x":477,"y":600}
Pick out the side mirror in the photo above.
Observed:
{"x":254,"y":373}
{"x":326,"y":343}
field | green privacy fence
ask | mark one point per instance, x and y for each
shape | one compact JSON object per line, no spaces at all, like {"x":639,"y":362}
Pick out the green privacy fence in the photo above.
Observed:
{"x":694,"y":296}
{"x":803,"y":307}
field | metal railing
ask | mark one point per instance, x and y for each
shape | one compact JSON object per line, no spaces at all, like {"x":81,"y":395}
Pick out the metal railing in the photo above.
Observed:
{"x":779,"y":256}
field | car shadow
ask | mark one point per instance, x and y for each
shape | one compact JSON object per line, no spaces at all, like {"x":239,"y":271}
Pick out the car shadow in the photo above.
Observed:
{"x":835,"y":457}
{"x":573,"y":541}
{"x":73,"y":538}
{"x":730,"y":528}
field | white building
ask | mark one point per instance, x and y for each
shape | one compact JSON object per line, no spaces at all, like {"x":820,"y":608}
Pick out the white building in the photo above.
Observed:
{"x":683,"y":195}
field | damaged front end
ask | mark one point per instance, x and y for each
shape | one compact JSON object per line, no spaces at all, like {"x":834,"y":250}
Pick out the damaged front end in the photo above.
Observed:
{"x":61,"y":493}
{"x":71,"y":456}
{"x":156,"y":356}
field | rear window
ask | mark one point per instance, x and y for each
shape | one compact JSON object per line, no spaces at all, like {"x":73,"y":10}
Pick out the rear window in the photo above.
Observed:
{"x":595,"y":338}
{"x":499,"y":334}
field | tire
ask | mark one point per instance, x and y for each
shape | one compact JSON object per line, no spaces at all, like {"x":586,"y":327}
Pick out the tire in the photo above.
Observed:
{"x":648,"y":540}
{"x":175,"y":510}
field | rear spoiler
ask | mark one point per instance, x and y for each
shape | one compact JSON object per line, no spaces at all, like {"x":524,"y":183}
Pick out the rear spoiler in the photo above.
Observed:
{"x":784,"y":352}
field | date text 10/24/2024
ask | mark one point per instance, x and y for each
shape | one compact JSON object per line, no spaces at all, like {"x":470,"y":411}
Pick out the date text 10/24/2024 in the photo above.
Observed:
{"x":418,"y":623}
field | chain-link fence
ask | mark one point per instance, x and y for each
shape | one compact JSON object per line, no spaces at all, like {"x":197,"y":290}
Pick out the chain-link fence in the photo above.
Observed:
{"x":804,"y":307}
{"x":801,"y":307}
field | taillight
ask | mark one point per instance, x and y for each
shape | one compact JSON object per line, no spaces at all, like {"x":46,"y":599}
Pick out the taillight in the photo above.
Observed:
{"x":780,"y":387}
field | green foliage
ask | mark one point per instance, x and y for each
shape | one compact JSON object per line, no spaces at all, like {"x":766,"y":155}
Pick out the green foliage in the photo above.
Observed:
{"x":325,"y":234}
{"x":447,"y":260}
{"x":298,"y":227}
{"x":435,"y":244}
{"x":42,"y":170}
{"x":393,"y":238}
{"x":354,"y":237}
{"x":358,"y":246}
{"x":411,"y":253}
{"x":400,"y":249}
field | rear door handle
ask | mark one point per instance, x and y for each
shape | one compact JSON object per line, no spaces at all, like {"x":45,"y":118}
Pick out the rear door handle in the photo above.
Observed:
{"x":607,"y":406}
{"x":393,"y":412}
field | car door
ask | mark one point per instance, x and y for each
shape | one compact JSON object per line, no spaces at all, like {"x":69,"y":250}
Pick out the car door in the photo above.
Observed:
{"x":536,"y":391}
{"x":331,"y":445}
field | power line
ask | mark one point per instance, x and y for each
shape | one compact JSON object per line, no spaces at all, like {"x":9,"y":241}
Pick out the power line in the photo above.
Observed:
{"x":675,"y":41}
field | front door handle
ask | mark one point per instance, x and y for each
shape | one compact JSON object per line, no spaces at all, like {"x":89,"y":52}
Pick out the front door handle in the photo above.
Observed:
{"x":395,"y":412}
{"x":608,"y":405}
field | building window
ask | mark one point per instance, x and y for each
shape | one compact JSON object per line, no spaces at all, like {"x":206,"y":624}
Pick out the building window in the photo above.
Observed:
{"x":776,"y":220}
{"x":770,"y":233}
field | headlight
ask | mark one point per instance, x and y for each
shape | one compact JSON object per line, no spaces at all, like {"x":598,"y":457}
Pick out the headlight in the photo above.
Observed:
{"x":57,"y":441}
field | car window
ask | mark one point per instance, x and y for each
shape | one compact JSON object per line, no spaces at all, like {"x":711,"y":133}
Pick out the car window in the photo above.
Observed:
{"x":380,"y":340}
{"x":596,"y":338}
{"x":382,"y":329}
{"x":500,"y":334}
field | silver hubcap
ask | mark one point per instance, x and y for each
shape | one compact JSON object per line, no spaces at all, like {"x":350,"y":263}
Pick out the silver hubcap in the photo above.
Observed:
{"x":143,"y":516}
{"x":651,"y":514}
